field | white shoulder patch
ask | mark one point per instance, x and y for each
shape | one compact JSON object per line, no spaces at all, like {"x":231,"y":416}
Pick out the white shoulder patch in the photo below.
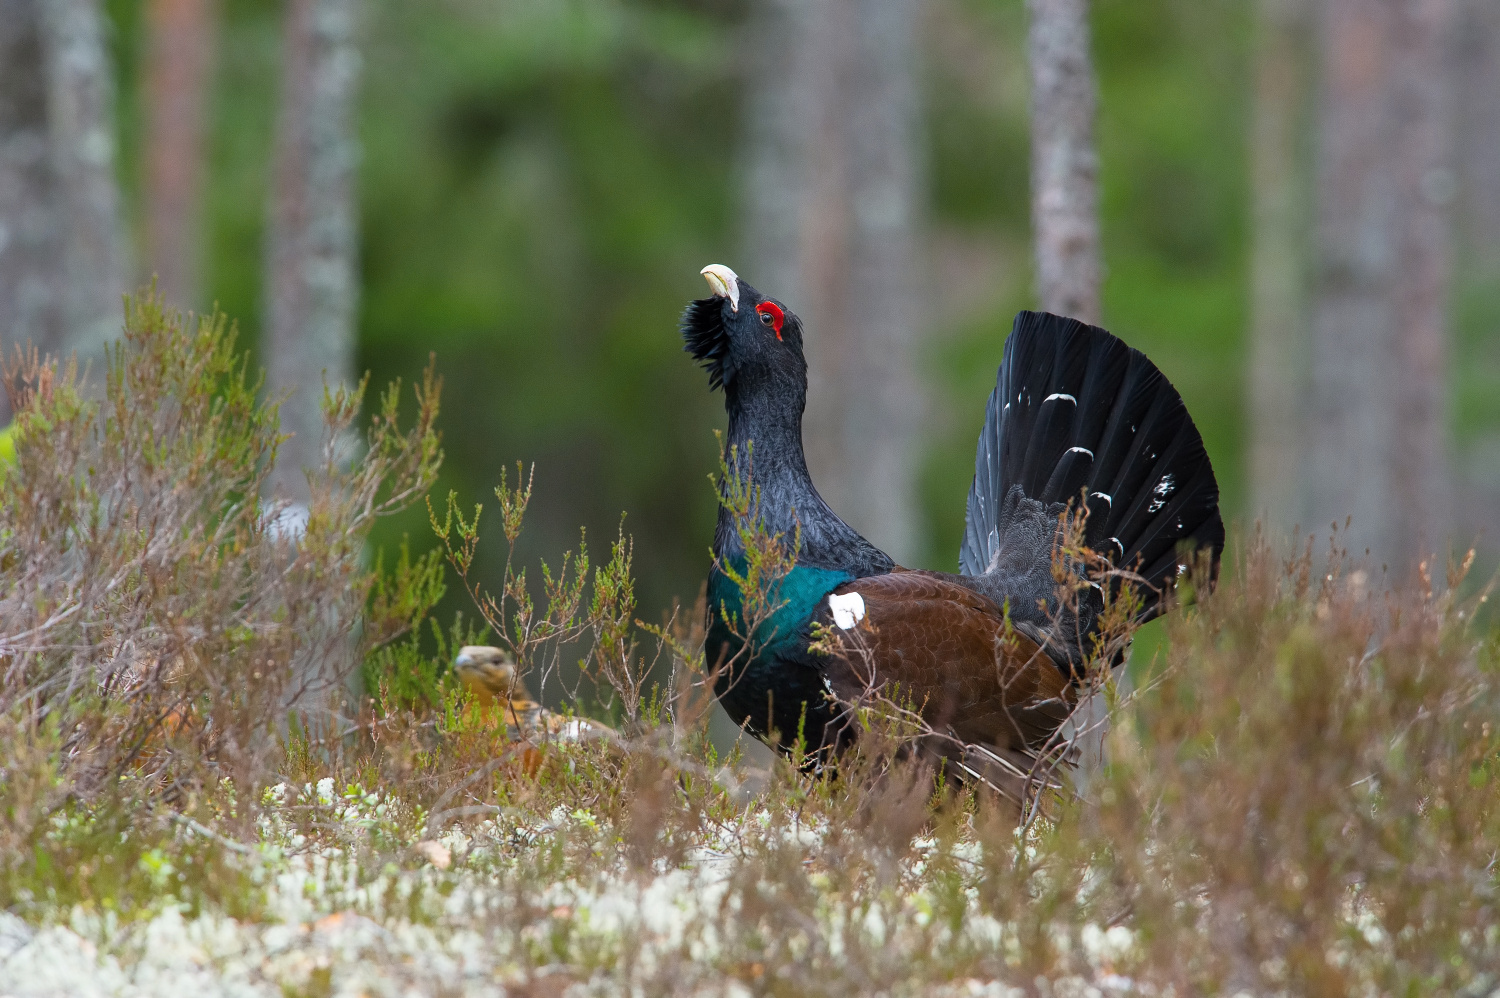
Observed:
{"x":848,"y":609}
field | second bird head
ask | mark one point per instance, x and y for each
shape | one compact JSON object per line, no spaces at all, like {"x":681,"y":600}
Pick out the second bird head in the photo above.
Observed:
{"x":488,"y":672}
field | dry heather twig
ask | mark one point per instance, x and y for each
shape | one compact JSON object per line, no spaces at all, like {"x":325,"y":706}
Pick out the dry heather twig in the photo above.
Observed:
{"x":155,"y":627}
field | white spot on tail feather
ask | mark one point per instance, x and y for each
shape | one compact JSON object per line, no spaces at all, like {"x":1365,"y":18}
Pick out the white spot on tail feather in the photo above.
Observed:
{"x":1106,"y":497}
{"x":848,"y":609}
{"x":1060,"y":395}
{"x":1081,"y":450}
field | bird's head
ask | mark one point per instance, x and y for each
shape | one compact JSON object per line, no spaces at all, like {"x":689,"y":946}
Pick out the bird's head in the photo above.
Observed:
{"x":488,"y":672}
{"x":739,"y":335}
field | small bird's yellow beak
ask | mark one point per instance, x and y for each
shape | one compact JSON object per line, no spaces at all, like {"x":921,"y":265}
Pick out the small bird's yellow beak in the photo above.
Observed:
{"x":725,"y":283}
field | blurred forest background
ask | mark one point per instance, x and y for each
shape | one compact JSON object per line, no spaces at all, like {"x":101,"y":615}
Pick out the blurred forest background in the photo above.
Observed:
{"x":1297,"y":216}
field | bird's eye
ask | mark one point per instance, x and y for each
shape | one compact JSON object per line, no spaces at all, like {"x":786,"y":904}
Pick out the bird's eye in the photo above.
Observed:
{"x":771,"y":315}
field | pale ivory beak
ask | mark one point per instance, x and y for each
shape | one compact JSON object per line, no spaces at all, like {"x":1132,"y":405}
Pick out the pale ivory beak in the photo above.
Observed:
{"x":724,"y":282}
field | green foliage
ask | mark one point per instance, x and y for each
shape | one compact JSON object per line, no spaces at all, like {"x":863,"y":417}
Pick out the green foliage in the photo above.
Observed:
{"x":596,"y":614}
{"x":105,"y":859}
{"x":612,"y":620}
{"x":413,"y":674}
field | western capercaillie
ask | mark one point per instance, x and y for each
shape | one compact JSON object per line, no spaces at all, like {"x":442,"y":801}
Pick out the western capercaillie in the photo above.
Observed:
{"x":993,"y":658}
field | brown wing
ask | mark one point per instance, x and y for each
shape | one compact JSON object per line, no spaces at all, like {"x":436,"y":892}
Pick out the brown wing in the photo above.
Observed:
{"x":947,"y":649}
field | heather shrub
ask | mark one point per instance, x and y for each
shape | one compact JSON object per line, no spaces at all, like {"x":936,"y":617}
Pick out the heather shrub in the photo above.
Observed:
{"x":1301,"y":797}
{"x":161,"y":621}
{"x":1306,"y":800}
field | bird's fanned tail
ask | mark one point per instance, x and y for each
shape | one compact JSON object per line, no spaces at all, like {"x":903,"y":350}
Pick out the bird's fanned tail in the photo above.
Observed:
{"x":1075,"y":409}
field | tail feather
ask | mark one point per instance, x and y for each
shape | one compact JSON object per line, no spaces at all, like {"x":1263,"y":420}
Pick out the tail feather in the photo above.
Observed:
{"x":1076,"y":410}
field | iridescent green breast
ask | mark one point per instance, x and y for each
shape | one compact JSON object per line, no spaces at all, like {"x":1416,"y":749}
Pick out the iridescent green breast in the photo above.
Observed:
{"x":788,"y":604}
{"x":778,"y":675}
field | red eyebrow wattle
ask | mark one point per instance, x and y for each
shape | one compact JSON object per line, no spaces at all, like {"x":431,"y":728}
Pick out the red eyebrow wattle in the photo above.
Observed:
{"x":774,"y":311}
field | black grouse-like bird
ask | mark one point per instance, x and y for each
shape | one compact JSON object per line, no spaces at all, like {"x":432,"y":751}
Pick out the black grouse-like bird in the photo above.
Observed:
{"x":992,"y":657}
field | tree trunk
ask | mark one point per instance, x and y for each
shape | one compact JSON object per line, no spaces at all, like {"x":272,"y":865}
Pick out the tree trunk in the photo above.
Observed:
{"x":833,"y":202}
{"x":178,"y":76}
{"x":61,"y":274}
{"x":1278,"y":328}
{"x":884,"y":414}
{"x":1379,"y":359}
{"x":311,"y":265}
{"x":1064,"y":163}
{"x":1421,"y":107}
{"x":80,"y":119}
{"x":1352,"y":327}
{"x":797,"y":234}
{"x":788,"y":88}
{"x":30,"y":253}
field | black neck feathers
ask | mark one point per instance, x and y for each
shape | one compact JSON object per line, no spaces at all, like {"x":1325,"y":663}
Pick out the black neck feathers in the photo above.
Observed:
{"x":757,"y":361}
{"x":765,"y":437}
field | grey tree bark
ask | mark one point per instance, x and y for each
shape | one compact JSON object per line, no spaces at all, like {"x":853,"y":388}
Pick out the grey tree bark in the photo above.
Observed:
{"x":80,"y":115}
{"x":882,"y":418}
{"x":1278,"y":345}
{"x":1421,"y":108}
{"x":311,"y":262}
{"x":832,"y":219}
{"x":1352,"y":324}
{"x":1379,"y":361}
{"x":30,"y":253}
{"x":178,"y":73}
{"x":787,"y":89}
{"x":61,"y":274}
{"x":1064,"y":162}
